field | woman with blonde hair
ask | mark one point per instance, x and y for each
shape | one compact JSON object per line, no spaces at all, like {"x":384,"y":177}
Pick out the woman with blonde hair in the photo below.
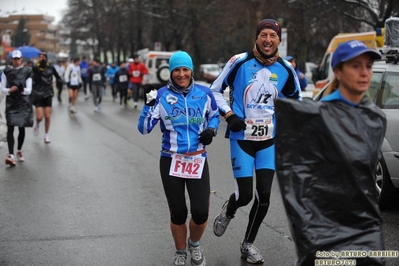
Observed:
{"x":326,"y":156}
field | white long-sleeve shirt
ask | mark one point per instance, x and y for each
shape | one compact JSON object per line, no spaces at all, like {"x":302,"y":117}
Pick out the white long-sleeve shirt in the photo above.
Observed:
{"x":6,"y":91}
{"x":73,"y":75}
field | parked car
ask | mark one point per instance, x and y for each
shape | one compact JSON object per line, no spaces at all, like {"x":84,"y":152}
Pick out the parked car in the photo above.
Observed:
{"x":384,"y":92}
{"x":209,"y":72}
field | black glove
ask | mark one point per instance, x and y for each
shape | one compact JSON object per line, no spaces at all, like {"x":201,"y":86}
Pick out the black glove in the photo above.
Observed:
{"x":206,"y":136}
{"x":68,"y":84}
{"x":235,"y":123}
{"x":20,"y":87}
{"x":80,"y":85}
{"x":147,"y":89}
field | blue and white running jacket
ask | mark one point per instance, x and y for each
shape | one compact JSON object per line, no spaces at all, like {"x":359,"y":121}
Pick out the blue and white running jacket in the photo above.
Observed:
{"x":254,"y":87}
{"x":182,"y":118}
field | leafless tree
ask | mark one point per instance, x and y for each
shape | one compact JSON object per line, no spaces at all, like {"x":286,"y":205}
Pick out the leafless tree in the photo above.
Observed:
{"x":214,"y":30}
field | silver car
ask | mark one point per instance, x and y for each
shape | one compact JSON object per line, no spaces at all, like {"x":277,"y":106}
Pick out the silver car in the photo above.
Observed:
{"x":384,"y":91}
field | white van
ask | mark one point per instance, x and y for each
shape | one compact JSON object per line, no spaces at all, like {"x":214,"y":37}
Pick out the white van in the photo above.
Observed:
{"x":325,"y":74}
{"x":157,"y":63}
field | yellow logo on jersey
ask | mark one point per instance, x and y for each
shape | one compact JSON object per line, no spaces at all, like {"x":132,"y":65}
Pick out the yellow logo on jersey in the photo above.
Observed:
{"x":273,"y":78}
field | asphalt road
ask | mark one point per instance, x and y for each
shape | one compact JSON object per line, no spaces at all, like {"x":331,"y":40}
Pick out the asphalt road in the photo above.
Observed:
{"x":94,"y":197}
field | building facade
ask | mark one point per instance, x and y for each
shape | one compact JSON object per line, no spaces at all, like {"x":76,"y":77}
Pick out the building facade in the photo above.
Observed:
{"x":43,"y":35}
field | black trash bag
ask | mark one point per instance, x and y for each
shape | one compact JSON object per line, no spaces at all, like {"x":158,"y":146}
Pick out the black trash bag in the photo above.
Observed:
{"x":42,"y":82}
{"x":326,"y":153}
{"x":19,"y":111}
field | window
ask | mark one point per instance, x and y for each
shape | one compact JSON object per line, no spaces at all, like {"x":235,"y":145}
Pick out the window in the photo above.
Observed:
{"x":325,"y":68}
{"x":161,"y":61}
{"x":390,"y":92}
{"x":374,"y":85}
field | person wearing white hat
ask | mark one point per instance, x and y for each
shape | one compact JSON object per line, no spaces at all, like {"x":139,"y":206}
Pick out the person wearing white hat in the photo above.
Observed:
{"x":17,"y":86}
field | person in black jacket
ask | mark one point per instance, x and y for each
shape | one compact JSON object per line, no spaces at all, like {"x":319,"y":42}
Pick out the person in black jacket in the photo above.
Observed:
{"x":43,"y":92}
{"x":121,"y":80}
{"x":97,"y":81}
{"x":16,"y":84}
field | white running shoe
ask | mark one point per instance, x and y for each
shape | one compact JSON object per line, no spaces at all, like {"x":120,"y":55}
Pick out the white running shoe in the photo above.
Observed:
{"x":72,"y":109}
{"x":251,"y":253}
{"x":179,"y":259}
{"x":20,"y":157}
{"x":197,"y":256}
{"x":10,"y":160}
{"x":47,"y":139}
{"x":36,"y":130}
{"x":221,"y":221}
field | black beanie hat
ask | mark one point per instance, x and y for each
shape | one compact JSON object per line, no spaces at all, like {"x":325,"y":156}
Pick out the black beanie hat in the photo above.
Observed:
{"x":268,"y":24}
{"x":43,"y":53}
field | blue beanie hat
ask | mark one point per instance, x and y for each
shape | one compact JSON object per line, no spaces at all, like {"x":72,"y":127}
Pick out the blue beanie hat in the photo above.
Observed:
{"x":180,"y":59}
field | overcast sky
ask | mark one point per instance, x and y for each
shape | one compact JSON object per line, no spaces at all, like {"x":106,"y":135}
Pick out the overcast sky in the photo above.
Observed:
{"x":52,"y":8}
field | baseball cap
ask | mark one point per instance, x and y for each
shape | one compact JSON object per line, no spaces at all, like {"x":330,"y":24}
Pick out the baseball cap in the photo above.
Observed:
{"x":351,"y":49}
{"x":130,"y":60}
{"x":16,"y":54}
{"x":180,"y":59}
{"x":289,"y":58}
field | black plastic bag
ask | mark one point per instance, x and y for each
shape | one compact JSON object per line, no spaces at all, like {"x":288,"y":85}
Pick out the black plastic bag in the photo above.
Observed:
{"x":19,"y":111}
{"x":326,"y":154}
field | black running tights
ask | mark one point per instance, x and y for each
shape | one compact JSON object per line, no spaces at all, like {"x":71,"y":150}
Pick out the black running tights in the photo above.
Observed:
{"x":264,"y":180}
{"x":10,"y":138}
{"x":198,"y":192}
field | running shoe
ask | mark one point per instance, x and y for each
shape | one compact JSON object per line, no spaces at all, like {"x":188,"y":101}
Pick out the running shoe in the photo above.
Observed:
{"x":20,"y":157}
{"x":96,"y":109}
{"x":47,"y":139}
{"x":10,"y":160}
{"x":36,"y":130}
{"x":72,"y":109}
{"x":197,"y":257}
{"x":251,"y":253}
{"x":179,"y":259}
{"x":221,"y":221}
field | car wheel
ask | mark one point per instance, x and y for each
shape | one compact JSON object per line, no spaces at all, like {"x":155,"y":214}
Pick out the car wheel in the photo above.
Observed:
{"x":163,"y":74}
{"x":383,"y":184}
